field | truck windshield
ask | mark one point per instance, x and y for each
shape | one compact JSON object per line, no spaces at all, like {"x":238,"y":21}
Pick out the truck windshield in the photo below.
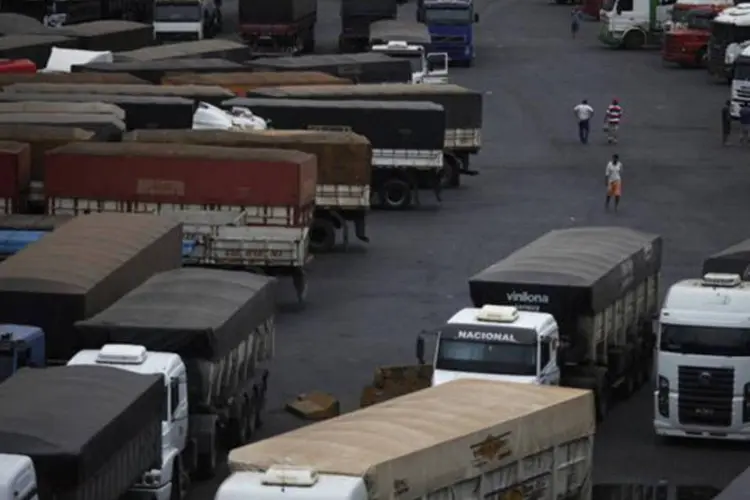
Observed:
{"x":608,"y":5}
{"x":448,"y":16}
{"x":492,"y":358}
{"x":415,"y":58}
{"x":742,"y":69}
{"x":177,"y":13}
{"x":6,"y":364}
{"x":700,"y":21}
{"x":705,"y":340}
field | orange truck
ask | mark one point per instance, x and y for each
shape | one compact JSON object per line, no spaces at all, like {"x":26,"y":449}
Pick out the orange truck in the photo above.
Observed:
{"x":686,"y":39}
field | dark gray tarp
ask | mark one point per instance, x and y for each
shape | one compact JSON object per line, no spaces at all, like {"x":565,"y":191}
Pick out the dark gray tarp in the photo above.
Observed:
{"x":112,"y":35}
{"x":105,"y":127}
{"x":197,"y":313}
{"x":570,"y":272}
{"x":35,"y":47}
{"x":154,"y":71}
{"x":211,"y":48}
{"x":733,"y":260}
{"x":367,"y":67}
{"x":394,"y":30}
{"x":421,"y":125}
{"x":70,"y":420}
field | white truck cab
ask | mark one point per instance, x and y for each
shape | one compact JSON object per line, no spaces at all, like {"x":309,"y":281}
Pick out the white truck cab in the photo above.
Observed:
{"x":703,"y":359}
{"x":426,"y":67}
{"x":156,"y":483}
{"x":17,"y":478}
{"x":299,"y":483}
{"x":496,"y":343}
{"x":184,"y":20}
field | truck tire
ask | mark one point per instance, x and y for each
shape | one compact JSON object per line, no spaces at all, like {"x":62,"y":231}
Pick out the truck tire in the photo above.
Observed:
{"x":601,"y":401}
{"x":701,"y":58}
{"x":180,"y":481}
{"x":395,"y":194}
{"x":238,"y":430}
{"x":450,"y":175}
{"x":208,"y":461}
{"x":634,"y":40}
{"x":322,"y":235}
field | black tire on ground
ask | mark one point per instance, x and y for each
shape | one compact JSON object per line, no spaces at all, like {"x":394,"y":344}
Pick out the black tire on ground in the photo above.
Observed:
{"x":238,"y":434}
{"x":601,"y":399}
{"x":180,"y":481}
{"x":322,"y":235}
{"x":208,"y":461}
{"x":701,"y":58}
{"x":396,"y":194}
{"x":450,"y":175}
{"x":634,"y":40}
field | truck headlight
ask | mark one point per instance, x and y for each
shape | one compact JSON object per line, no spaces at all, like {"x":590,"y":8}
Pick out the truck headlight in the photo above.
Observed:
{"x":662,"y":396}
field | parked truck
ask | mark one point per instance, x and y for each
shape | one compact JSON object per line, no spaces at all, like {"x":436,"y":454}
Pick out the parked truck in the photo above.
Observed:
{"x":572,"y":308}
{"x":451,"y":27}
{"x":344,"y":169}
{"x":209,"y":335}
{"x":463,"y":113}
{"x":682,"y":9}
{"x":246,"y":209}
{"x":465,"y":439}
{"x":410,"y":41}
{"x":356,"y":18}
{"x":740,"y":86}
{"x":79,"y":432}
{"x":686,"y":43}
{"x":82,"y":268}
{"x":634,"y":24}
{"x":728,"y":31}
{"x":282,"y":27}
{"x":703,"y":385}
{"x":358,"y":68}
{"x":242,"y":83}
{"x":406,"y":137}
{"x":186,"y":20}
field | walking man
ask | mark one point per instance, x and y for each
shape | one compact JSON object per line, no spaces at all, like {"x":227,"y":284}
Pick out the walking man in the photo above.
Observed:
{"x":745,"y":124}
{"x":575,"y":22}
{"x":612,"y":121}
{"x":726,"y":122}
{"x":583,"y":112}
{"x":613,"y":181}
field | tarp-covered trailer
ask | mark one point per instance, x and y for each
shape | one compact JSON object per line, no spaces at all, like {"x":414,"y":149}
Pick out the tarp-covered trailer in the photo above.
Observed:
{"x":155,"y":71}
{"x":81,"y":269}
{"x":15,"y":171}
{"x":222,"y":325}
{"x":105,"y":127}
{"x":344,"y":171}
{"x":367,"y":67}
{"x":141,"y":112}
{"x":206,"y":93}
{"x":36,"y":48}
{"x":86,"y":108}
{"x":91,"y":432}
{"x":112,"y":35}
{"x":40,"y":138}
{"x":463,"y":439}
{"x":11,"y":78}
{"x":215,"y":48}
{"x":602,"y":286}
{"x":463,"y":112}
{"x":241,"y":83}
{"x":407,"y":137}
{"x":281,"y":27}
{"x":733,"y":260}
{"x":396,"y":30}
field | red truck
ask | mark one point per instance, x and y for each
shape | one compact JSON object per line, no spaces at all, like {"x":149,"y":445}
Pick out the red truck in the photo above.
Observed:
{"x":240,"y":208}
{"x":15,"y":169}
{"x":278,"y":27}
{"x":686,"y":42}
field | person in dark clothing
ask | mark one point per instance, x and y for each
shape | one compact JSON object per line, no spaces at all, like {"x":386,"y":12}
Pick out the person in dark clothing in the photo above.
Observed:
{"x":575,"y":22}
{"x":745,"y":124}
{"x":726,"y":122}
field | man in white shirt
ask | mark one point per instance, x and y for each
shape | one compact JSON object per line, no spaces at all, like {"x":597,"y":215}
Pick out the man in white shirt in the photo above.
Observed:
{"x":583,"y":112}
{"x":613,"y":181}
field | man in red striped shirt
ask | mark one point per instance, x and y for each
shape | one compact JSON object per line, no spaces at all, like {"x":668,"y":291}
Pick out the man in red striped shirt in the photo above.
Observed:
{"x":612,"y":121}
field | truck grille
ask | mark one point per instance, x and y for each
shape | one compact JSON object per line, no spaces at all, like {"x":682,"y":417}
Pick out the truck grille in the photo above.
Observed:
{"x":671,"y":43}
{"x":705,"y":395}
{"x":743,"y":93}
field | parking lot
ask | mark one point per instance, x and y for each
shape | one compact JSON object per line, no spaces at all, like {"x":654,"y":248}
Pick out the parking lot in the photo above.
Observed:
{"x":366,"y":306}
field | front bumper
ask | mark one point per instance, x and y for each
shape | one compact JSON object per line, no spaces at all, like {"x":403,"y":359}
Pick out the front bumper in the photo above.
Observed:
{"x":671,"y":427}
{"x":610,"y":38}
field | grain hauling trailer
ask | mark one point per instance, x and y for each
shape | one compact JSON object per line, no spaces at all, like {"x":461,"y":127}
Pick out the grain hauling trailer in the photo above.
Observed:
{"x":465,"y":439}
{"x":344,"y":164}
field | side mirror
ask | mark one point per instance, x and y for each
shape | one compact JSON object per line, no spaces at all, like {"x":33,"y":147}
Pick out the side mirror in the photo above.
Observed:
{"x":476,"y":18}
{"x":420,"y":350}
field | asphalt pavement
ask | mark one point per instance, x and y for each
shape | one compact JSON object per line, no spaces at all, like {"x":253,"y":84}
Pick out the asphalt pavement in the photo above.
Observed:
{"x":366,"y":306}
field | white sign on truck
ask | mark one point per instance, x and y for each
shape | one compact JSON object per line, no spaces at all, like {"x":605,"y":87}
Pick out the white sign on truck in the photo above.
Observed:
{"x":463,"y":439}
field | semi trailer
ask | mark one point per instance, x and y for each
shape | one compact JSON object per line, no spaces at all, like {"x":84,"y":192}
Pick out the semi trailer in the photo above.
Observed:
{"x":241,"y":83}
{"x":282,"y":27}
{"x":356,"y":18}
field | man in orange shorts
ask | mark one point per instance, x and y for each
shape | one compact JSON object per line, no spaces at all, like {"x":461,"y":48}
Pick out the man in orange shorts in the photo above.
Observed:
{"x":613,"y":181}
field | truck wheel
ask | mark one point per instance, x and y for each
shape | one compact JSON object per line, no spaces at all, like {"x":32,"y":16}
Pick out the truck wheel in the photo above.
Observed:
{"x":601,"y":398}
{"x":180,"y":481}
{"x":701,"y":58}
{"x":238,"y":432}
{"x":322,"y":235}
{"x":208,"y":461}
{"x":450,"y":175}
{"x":634,"y":40}
{"x":396,"y":194}
{"x":310,"y":43}
{"x":250,"y":419}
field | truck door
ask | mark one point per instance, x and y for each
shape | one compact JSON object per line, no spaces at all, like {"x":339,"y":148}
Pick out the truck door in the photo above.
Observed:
{"x":549,"y":372}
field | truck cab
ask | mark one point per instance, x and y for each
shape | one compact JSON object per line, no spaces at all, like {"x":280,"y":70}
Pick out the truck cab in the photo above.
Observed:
{"x":185,"y":20}
{"x":495,"y":343}
{"x":686,"y":43}
{"x":20,"y":346}
{"x":634,"y":24}
{"x":682,"y":10}
{"x":451,"y":26}
{"x":426,"y":67}
{"x":156,"y":483}
{"x":703,"y":359}
{"x":740,"y":89}
{"x":293,"y":483}
{"x":17,"y":478}
{"x":729,"y":30}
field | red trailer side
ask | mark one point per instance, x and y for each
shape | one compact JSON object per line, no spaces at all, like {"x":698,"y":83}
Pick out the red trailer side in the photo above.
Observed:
{"x":15,"y":169}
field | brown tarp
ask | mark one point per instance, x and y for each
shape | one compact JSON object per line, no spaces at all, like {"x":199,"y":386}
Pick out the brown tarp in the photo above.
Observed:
{"x":240,"y":83}
{"x":120,"y":78}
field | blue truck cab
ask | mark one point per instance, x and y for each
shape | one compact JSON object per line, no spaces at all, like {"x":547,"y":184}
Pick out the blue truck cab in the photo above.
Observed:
{"x":20,"y":346}
{"x":451,"y":25}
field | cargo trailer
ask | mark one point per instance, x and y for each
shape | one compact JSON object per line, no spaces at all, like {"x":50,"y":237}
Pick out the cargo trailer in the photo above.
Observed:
{"x":360,"y":68}
{"x":149,"y":112}
{"x":35,"y":48}
{"x":356,"y":18}
{"x":244,"y":209}
{"x":11,"y":78}
{"x":580,"y":300}
{"x":210,"y":94}
{"x":40,"y":139}
{"x":210,"y":335}
{"x":15,"y":172}
{"x":732,"y":260}
{"x":405,"y":155}
{"x":62,"y":107}
{"x":465,"y":439}
{"x":463,"y":113}
{"x":82,"y":268}
{"x":79,"y":433}
{"x":155,"y":71}
{"x":105,"y":127}
{"x":112,"y":35}
{"x":344,"y":169}
{"x":241,"y":83}
{"x":211,"y":49}
{"x":281,"y":27}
